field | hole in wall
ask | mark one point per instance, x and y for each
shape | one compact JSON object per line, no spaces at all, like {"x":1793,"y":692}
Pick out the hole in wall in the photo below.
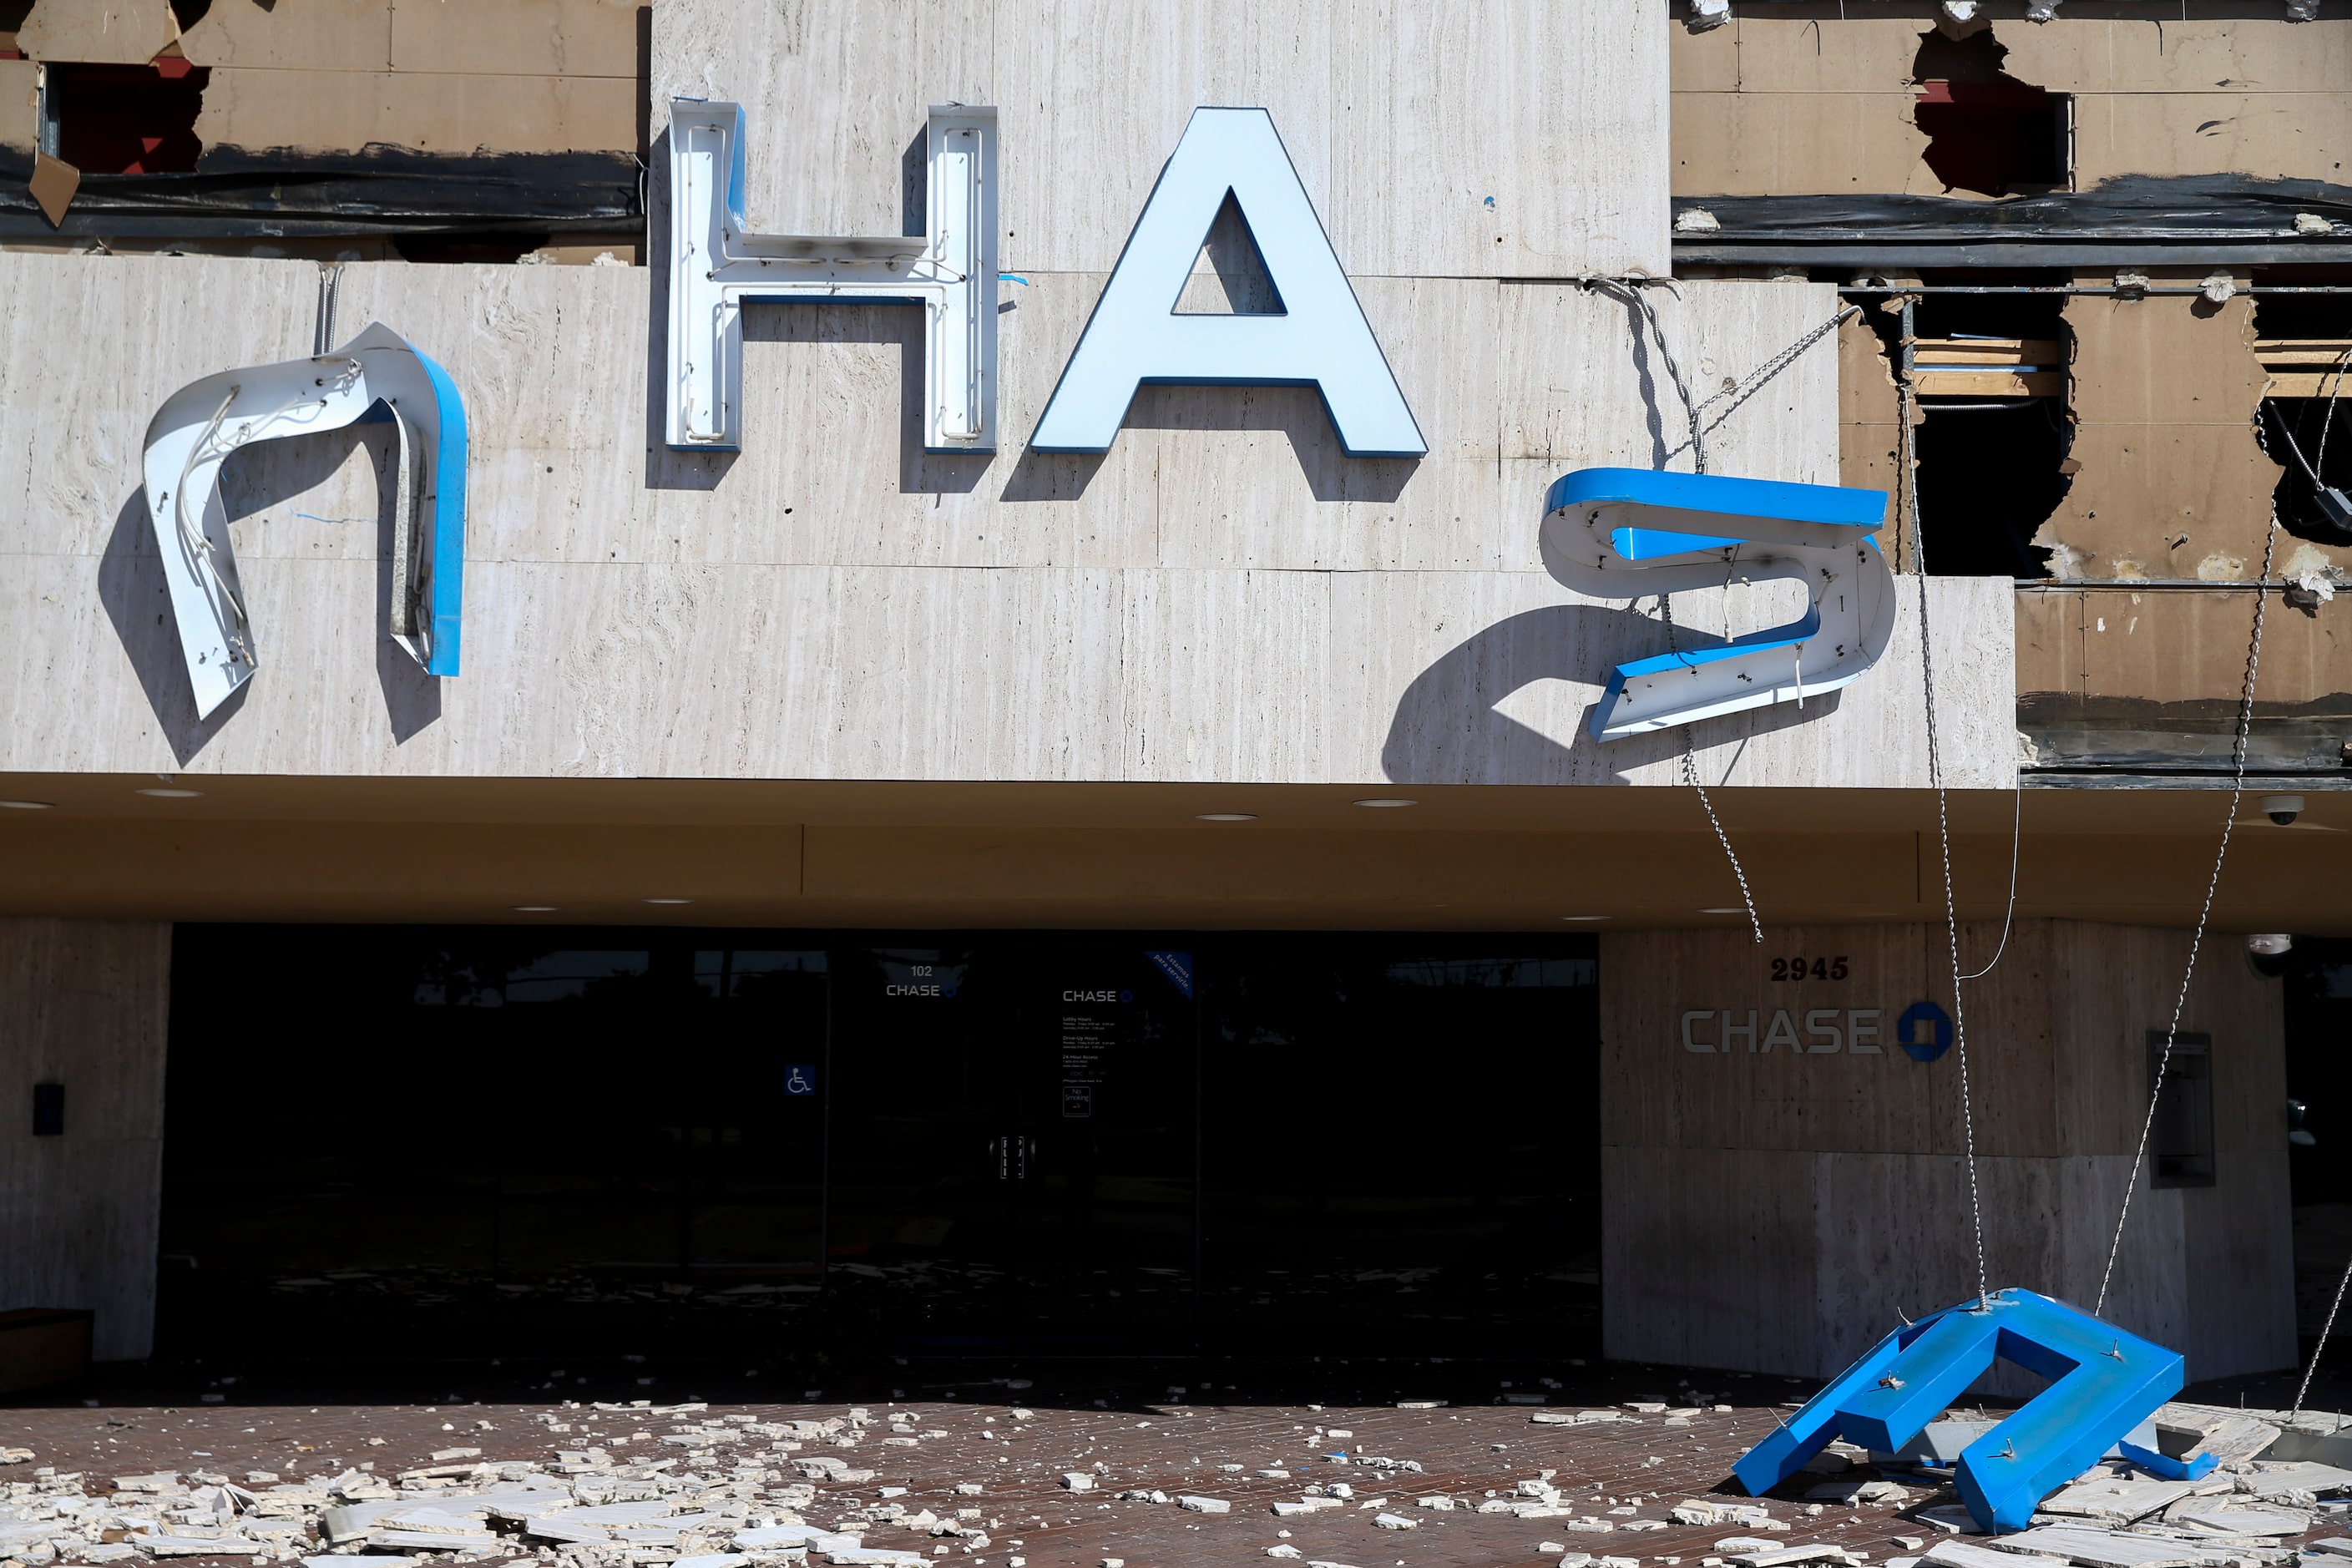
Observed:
{"x":477,"y":250}
{"x":1992,"y":459}
{"x":1987,"y":132}
{"x":125,"y":120}
{"x":2302,"y":338}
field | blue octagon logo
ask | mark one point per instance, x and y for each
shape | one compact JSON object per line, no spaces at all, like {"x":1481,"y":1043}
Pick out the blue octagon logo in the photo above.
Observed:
{"x":1925,"y":1032}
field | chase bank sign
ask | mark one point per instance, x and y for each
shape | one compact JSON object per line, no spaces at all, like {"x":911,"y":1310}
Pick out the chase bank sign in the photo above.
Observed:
{"x":1612,"y":533}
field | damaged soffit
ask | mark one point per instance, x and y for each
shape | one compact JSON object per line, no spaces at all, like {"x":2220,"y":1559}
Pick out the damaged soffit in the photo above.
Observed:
{"x":2160,"y":220}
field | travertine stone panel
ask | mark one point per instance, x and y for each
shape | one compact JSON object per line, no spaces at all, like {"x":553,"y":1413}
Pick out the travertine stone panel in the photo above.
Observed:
{"x":84,"y":1004}
{"x":834,"y":96}
{"x":1223,"y":596}
{"x":1583,"y":383}
{"x":1403,"y":122}
{"x":1704,"y":1151}
{"x":1546,"y":112}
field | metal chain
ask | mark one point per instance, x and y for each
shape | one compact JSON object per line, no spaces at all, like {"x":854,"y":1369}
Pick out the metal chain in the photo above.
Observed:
{"x":1631,"y":289}
{"x":1690,"y":777}
{"x":2205,"y":912}
{"x":2321,"y":1348}
{"x":1909,"y":478}
{"x":1741,"y":391}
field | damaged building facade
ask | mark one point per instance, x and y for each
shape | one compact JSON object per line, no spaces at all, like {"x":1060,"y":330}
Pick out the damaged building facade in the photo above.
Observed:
{"x":726,"y":785}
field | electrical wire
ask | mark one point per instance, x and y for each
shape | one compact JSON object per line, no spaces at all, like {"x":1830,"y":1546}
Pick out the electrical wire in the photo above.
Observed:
{"x":2016,"y":840}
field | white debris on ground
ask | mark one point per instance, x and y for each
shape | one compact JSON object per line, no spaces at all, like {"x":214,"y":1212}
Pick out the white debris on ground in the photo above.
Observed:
{"x":2115,"y":1515}
{"x":736,"y":1509}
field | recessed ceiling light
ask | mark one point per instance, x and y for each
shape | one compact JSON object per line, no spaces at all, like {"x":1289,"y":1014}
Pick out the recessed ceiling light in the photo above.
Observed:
{"x":1387,"y":800}
{"x":1225,"y":816}
{"x":171,"y":794}
{"x":23,"y":806}
{"x":1734,"y":910}
{"x":533,"y":908}
{"x":1575,"y":919}
{"x":669,"y":900}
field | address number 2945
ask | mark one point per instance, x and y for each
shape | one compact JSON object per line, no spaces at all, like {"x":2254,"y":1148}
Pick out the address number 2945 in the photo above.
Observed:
{"x":1809,"y":968}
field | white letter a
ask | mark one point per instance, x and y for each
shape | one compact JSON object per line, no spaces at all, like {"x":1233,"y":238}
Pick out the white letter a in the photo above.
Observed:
{"x":1321,"y":338}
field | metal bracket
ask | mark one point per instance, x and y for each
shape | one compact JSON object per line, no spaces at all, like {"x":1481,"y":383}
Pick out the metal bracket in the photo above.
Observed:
{"x":715,"y":266}
{"x":200,"y":425}
{"x":1621,"y":533}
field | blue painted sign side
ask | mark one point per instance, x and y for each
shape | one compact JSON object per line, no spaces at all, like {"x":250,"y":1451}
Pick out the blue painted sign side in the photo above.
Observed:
{"x":2103,"y":1382}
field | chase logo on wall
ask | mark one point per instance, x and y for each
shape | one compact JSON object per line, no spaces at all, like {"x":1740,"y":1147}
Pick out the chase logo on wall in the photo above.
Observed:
{"x":1925,"y":1031}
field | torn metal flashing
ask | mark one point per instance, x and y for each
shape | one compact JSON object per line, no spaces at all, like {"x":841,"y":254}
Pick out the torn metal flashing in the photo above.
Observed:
{"x":2196,"y":736}
{"x":2161,"y":220}
{"x":383,"y":190}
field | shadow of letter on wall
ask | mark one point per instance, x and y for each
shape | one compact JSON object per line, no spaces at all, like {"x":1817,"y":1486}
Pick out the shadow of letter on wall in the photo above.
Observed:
{"x":1449,"y":727}
{"x":138,"y":601}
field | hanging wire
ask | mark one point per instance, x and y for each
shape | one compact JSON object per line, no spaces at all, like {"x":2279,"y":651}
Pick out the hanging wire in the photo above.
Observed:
{"x":2205,"y":912}
{"x":2016,"y":841}
{"x":1909,"y":478}
{"x":1629,"y":289}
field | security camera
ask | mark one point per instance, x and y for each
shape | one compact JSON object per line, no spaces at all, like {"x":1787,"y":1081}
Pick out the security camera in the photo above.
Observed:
{"x":2268,"y":952}
{"x":2283,"y":809}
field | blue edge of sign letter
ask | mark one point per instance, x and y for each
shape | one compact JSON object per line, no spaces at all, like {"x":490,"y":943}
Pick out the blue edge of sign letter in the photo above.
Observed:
{"x":2104,"y":1384}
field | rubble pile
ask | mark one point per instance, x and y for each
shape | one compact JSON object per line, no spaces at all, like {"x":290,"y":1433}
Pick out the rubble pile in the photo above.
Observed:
{"x":1158,"y":1485}
{"x":736,"y":1495}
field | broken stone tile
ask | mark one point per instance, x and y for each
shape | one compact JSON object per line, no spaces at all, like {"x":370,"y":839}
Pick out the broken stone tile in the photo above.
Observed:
{"x":2115,"y":1499}
{"x":1777,"y":1556}
{"x":1950,"y":1518}
{"x":1960,"y":1554}
{"x":1395,"y":1521}
{"x":197,"y":1546}
{"x":2256,"y":1521}
{"x":1851,"y":1492}
{"x":1204,"y":1505}
{"x":2235,"y":1439}
{"x":2274,"y":1477}
{"x":1077,"y":1481}
{"x":2108,"y":1549}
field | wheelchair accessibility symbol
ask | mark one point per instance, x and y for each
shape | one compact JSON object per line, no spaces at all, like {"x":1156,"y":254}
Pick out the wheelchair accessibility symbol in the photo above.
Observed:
{"x":800,"y":1080}
{"x":1925,"y":1032}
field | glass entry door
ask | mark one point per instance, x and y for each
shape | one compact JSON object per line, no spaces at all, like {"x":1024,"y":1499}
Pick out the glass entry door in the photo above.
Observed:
{"x":1014,"y":1145}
